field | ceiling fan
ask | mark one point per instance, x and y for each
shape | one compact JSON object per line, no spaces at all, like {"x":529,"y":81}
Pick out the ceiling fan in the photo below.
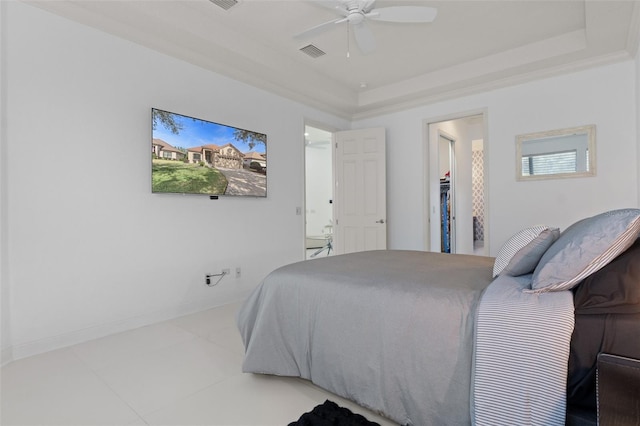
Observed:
{"x":356,"y":13}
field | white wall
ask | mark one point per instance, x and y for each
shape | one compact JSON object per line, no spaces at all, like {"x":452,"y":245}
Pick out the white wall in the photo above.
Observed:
{"x":601,"y":96}
{"x":91,"y":250}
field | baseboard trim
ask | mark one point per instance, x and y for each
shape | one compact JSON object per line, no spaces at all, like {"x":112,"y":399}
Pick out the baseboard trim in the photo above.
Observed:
{"x":37,"y":347}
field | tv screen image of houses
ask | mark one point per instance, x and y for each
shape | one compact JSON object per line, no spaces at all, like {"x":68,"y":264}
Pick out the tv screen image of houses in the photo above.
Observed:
{"x":195,"y":156}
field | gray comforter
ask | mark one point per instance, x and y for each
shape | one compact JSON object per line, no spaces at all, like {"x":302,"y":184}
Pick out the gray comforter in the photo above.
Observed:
{"x":391,"y":330}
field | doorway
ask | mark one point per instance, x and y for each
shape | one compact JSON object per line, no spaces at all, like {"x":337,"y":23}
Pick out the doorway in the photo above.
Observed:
{"x":456,"y":181}
{"x":318,"y":192}
{"x":345,"y":190}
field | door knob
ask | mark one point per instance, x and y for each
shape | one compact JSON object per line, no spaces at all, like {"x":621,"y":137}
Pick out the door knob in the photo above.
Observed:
{"x":380,"y":221}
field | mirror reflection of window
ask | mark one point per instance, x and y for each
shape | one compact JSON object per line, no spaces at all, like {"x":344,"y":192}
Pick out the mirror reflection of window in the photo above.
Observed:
{"x":557,"y":153}
{"x":550,"y":163}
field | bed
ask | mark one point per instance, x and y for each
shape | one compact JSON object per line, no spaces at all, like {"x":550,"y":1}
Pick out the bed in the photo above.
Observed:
{"x":436,"y":339}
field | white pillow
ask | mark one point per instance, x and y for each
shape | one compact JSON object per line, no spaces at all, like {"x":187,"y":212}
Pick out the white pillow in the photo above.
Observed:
{"x":521,"y":253}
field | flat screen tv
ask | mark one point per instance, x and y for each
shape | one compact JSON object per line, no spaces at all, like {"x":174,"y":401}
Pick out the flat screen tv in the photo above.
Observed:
{"x":195,"y":156}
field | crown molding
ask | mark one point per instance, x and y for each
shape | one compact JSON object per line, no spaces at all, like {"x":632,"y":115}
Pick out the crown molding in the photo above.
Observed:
{"x":633,"y":38}
{"x":472,"y":89}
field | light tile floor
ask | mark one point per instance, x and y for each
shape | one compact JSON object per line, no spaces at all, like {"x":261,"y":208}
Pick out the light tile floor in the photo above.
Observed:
{"x":186,"y":371}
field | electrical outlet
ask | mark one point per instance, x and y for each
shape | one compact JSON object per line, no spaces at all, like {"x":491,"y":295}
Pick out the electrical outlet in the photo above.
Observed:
{"x":226,"y":271}
{"x":238,"y":272}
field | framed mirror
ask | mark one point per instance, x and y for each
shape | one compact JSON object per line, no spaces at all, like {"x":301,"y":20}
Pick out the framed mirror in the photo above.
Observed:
{"x":555,"y":154}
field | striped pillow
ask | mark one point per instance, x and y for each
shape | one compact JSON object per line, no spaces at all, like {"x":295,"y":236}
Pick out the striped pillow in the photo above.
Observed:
{"x":584,"y":248}
{"x":521,"y":253}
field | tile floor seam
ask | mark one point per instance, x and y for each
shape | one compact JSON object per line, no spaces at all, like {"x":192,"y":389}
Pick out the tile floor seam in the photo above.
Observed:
{"x":192,"y":336}
{"x":104,"y":382}
{"x":185,"y":397}
{"x":164,"y":348}
{"x":227,"y":348}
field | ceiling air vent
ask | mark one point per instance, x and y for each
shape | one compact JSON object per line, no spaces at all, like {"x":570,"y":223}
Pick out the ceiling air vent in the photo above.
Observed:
{"x":312,"y":51}
{"x":225,"y":4}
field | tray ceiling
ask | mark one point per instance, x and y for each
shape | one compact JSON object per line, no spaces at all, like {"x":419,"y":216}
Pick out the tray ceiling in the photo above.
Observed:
{"x":471,"y":45}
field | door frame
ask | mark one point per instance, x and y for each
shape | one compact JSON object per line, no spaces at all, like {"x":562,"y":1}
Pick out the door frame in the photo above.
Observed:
{"x":430,"y":187}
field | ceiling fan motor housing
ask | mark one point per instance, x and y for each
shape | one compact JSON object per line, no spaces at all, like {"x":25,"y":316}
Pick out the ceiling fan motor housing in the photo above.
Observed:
{"x":355,"y":17}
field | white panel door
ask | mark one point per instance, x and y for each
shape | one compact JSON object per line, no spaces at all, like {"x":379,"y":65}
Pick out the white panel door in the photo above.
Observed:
{"x":360,"y":203}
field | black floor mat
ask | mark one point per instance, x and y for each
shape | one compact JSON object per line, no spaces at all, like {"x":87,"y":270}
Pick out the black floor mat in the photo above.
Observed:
{"x":331,"y":414}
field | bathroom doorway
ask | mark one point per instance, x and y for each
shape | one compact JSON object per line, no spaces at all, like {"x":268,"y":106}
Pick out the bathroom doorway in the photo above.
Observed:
{"x":318,"y":192}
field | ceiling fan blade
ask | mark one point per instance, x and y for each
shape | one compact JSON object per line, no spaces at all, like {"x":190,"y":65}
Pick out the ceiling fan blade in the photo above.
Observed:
{"x":364,"y":37}
{"x":367,"y":5}
{"x":416,"y":14}
{"x":318,"y":29}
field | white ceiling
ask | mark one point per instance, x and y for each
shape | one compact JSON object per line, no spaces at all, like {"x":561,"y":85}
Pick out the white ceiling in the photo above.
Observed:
{"x":471,"y":46}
